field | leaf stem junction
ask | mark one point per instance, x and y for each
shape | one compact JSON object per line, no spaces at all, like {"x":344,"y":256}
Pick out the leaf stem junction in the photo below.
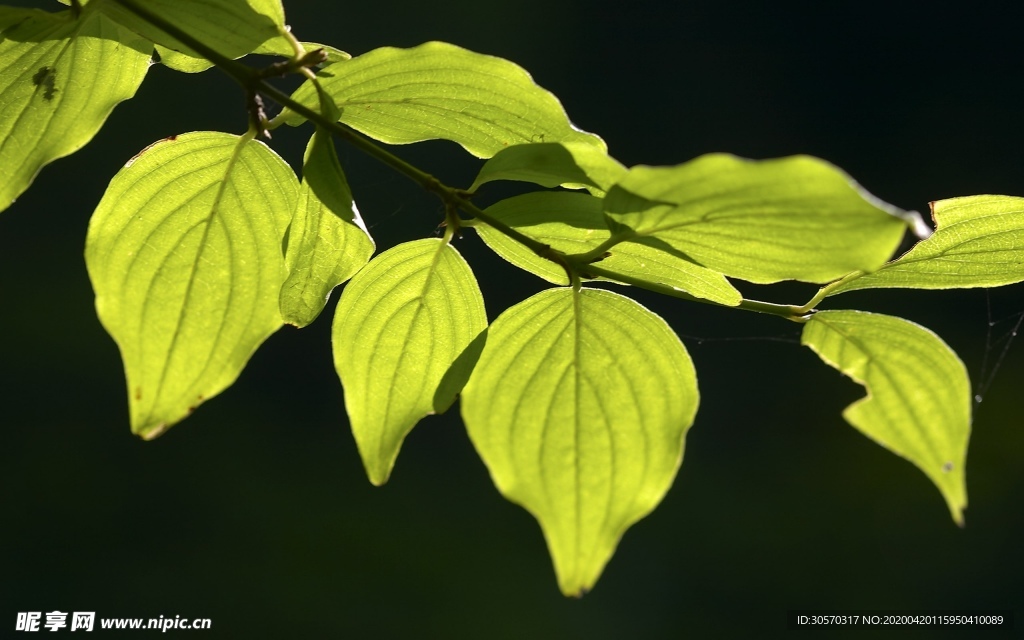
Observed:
{"x":577,"y":266}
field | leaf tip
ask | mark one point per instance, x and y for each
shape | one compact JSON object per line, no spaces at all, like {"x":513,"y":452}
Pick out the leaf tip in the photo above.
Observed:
{"x":957,"y":511}
{"x":378,"y":470}
{"x":956,"y":499}
{"x":153,"y":432}
{"x":574,"y":587}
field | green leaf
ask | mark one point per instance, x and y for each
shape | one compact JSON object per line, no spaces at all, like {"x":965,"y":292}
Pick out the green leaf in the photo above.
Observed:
{"x":184,"y":253}
{"x":59,"y":80}
{"x":327,"y":241}
{"x":181,"y":62}
{"x":233,"y":28}
{"x":274,"y":48}
{"x":978,"y":242}
{"x":579,"y":406}
{"x":441,"y":91}
{"x":796,"y":218}
{"x":574,"y":223}
{"x":407,"y":332}
{"x":277,"y":46}
{"x":919,"y":397}
{"x":553,"y":164}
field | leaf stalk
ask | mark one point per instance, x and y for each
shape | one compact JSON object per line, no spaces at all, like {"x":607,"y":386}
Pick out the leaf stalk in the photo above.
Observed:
{"x":575,"y":265}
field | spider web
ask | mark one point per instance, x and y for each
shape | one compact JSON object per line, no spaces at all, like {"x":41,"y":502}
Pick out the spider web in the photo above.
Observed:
{"x":1000,"y":334}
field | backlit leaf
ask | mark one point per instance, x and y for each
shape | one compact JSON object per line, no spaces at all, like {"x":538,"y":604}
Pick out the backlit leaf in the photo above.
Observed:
{"x":441,"y":91}
{"x":184,"y":253}
{"x":796,"y":218}
{"x":60,"y":77}
{"x":182,"y":61}
{"x":552,"y":164}
{"x":276,"y":46}
{"x":327,"y":240}
{"x":407,"y":332}
{"x":233,"y":28}
{"x":574,"y":223}
{"x":978,"y":242}
{"x":579,"y":407}
{"x":919,"y":397}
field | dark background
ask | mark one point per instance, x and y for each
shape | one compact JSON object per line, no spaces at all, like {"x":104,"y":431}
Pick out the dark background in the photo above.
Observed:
{"x":255,"y":511}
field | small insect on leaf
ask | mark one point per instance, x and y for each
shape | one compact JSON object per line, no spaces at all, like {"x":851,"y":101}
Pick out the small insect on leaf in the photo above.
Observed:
{"x":46,"y":78}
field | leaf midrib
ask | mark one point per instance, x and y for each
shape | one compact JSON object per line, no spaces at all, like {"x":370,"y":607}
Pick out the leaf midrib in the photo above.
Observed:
{"x":182,"y":311}
{"x":420,"y":302}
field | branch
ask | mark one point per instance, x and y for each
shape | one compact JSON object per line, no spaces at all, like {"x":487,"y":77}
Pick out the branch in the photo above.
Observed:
{"x":254,"y":81}
{"x":601,"y":251}
{"x":788,"y":312}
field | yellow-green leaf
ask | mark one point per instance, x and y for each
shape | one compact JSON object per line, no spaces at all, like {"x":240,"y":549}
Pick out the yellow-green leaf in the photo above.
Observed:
{"x":184,"y":253}
{"x":276,"y":46}
{"x":919,"y":396}
{"x":978,"y":242}
{"x":232,"y":28}
{"x":407,"y":332}
{"x":280,"y":47}
{"x":574,"y":223}
{"x":441,"y":91}
{"x":552,"y":164}
{"x":327,"y":241}
{"x":796,"y":218}
{"x":60,"y":77}
{"x":579,"y":406}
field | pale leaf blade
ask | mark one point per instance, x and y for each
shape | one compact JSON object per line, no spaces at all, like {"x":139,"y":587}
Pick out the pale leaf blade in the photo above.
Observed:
{"x":919,"y":397}
{"x":184,"y":253}
{"x":327,"y":241}
{"x":60,"y":78}
{"x":574,"y":223}
{"x":579,"y":407}
{"x":441,"y":91}
{"x":232,"y":28}
{"x":281,"y":47}
{"x":553,"y":164}
{"x":978,"y":242}
{"x":796,"y":218}
{"x":402,"y":331}
{"x":181,"y":61}
{"x":276,"y":46}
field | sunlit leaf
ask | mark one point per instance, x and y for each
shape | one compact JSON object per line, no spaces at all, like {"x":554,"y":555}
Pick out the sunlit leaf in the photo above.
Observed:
{"x":60,"y":77}
{"x":796,"y":218}
{"x":551,"y":164}
{"x":274,"y":47}
{"x":919,"y":397}
{"x":181,"y":61}
{"x":277,"y":46}
{"x":327,"y":240}
{"x":579,"y":406}
{"x":232,"y":28}
{"x":404,"y":335}
{"x":978,"y":242}
{"x":574,"y":223}
{"x":441,"y":91}
{"x":184,"y":253}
